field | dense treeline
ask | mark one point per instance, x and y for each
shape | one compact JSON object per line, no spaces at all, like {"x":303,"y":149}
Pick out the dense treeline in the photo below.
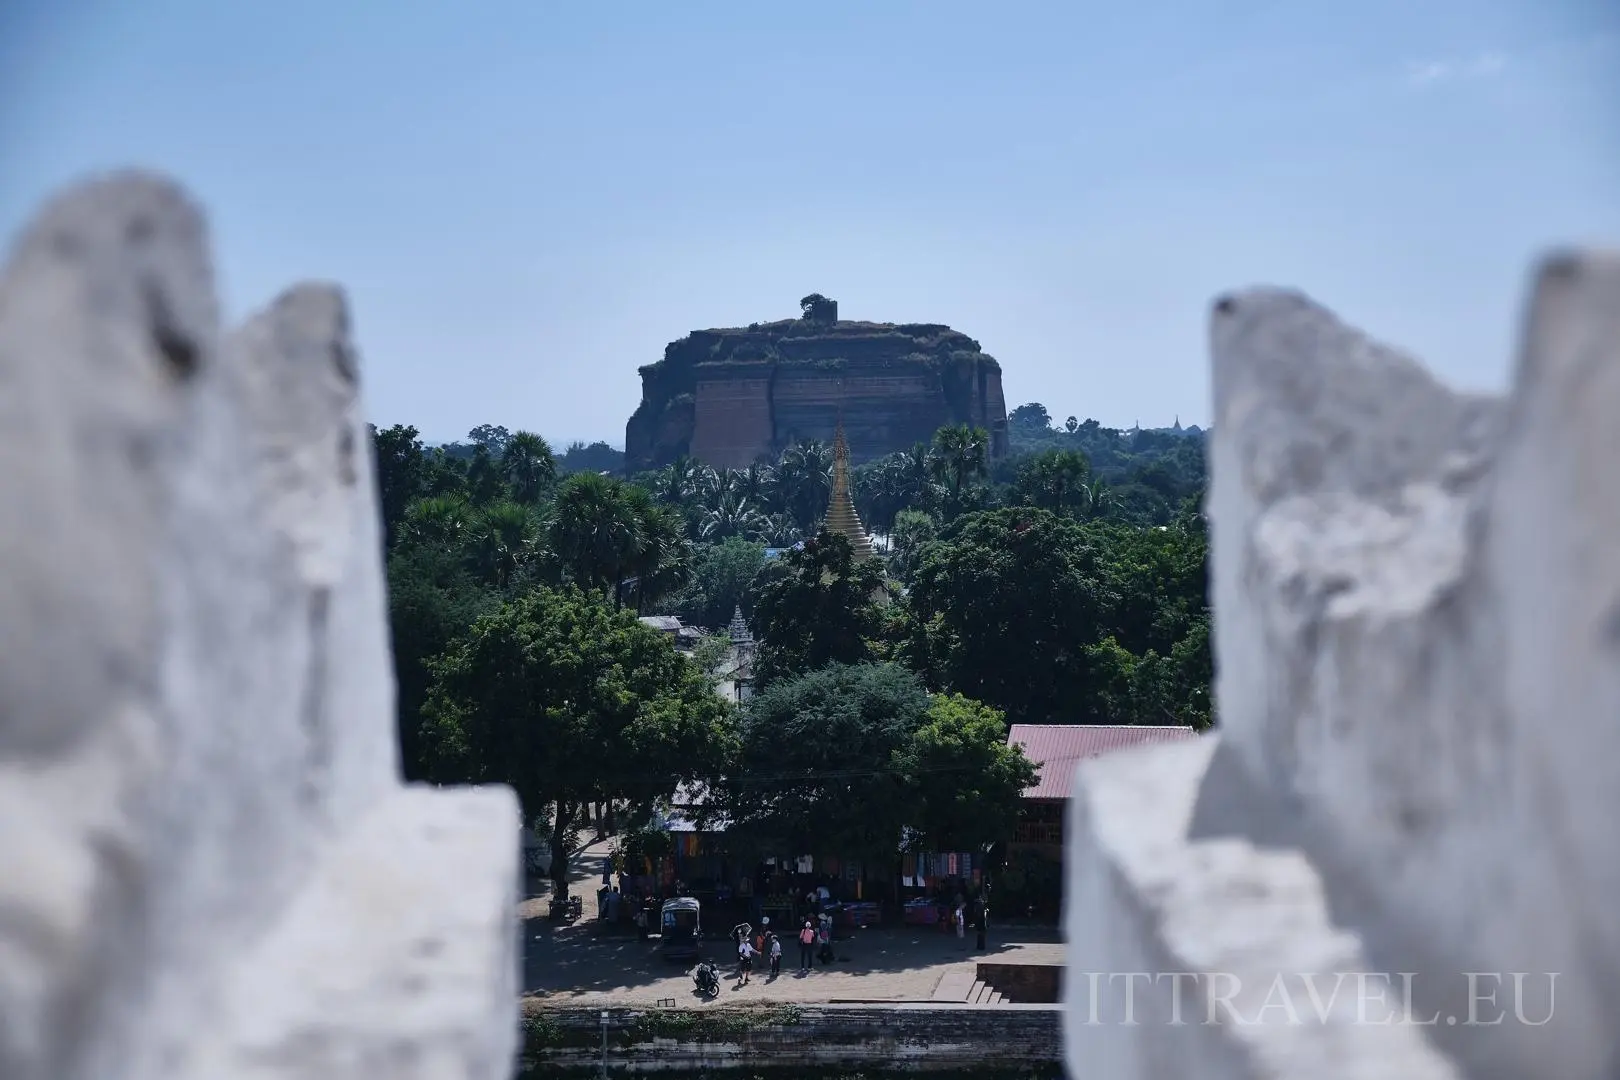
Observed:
{"x":1064,"y":584}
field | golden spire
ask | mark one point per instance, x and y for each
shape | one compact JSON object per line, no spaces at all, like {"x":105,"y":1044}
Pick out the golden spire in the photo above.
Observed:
{"x":841,"y":515}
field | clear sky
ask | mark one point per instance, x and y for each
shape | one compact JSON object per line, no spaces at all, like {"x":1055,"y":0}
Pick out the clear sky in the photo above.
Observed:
{"x":527,"y":200}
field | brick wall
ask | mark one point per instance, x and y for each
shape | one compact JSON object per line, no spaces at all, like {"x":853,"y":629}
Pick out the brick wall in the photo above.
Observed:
{"x":1003,"y":1040}
{"x":1027,"y":984}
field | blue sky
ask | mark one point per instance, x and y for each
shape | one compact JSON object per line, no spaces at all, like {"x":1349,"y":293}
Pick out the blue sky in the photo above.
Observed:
{"x":528,"y":200}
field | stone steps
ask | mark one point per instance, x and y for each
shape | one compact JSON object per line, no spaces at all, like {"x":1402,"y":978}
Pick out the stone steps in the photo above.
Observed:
{"x":984,"y":994}
{"x":962,"y":986}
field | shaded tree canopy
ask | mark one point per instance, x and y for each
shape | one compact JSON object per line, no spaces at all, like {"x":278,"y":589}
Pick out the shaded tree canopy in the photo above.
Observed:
{"x":571,"y":701}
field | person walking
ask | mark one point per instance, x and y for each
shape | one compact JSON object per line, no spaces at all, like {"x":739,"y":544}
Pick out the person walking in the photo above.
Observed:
{"x":807,"y":946}
{"x":775,"y":946}
{"x":745,"y":960}
{"x":961,"y":921}
{"x":981,"y":921}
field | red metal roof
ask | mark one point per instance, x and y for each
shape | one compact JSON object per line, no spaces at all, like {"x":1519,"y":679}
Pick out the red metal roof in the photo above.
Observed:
{"x":1058,"y":748}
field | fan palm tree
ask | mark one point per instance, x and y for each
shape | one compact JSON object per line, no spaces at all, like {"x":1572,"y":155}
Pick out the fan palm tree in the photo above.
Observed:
{"x":502,"y":539}
{"x":1056,"y":480}
{"x":661,"y":563}
{"x":960,"y":456}
{"x":528,"y":466}
{"x":595,"y":530}
{"x":439,"y":521}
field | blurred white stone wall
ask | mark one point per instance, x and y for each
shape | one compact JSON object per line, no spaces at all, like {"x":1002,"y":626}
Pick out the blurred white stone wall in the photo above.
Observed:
{"x":209,"y":866}
{"x":1417,"y":640}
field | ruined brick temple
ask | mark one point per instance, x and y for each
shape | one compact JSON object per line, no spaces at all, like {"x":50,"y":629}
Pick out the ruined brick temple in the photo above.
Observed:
{"x":729,"y":397}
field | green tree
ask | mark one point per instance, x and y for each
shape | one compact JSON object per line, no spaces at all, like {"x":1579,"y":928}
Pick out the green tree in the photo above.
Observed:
{"x":803,"y":483}
{"x":492,"y":437}
{"x":966,"y":782}
{"x":819,"y":771}
{"x":960,"y":454}
{"x":595,"y":530}
{"x":504,"y":539}
{"x":1055,"y":480}
{"x":485,"y":484}
{"x":816,"y":606}
{"x":528,"y":466}
{"x":1030,"y":419}
{"x":1002,"y":608}
{"x":402,"y":473}
{"x":912,"y":530}
{"x":572,"y":702}
{"x":431,"y":600}
{"x":721,"y":576}
{"x":661,"y":560}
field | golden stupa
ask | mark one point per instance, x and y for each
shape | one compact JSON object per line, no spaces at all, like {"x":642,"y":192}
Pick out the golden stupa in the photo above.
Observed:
{"x":841,"y":516}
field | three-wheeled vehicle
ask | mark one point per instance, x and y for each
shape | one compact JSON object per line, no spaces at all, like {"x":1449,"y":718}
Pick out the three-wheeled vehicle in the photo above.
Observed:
{"x":681,"y":929}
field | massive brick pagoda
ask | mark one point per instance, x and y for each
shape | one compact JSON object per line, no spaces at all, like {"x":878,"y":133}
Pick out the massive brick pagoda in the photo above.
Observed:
{"x":729,"y":397}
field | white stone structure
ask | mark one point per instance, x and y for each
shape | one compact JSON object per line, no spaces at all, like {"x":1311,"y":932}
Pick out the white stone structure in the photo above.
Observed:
{"x":209,"y":866}
{"x":1417,"y":635}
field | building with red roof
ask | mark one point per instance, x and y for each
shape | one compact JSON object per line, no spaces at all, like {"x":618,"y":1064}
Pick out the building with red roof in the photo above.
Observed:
{"x":1035,"y":856}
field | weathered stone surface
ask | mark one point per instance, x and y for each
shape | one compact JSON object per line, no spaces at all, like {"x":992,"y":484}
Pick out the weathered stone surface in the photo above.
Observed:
{"x":198,"y":784}
{"x":1416,"y":597}
{"x":728,"y":397}
{"x":1147,"y":900}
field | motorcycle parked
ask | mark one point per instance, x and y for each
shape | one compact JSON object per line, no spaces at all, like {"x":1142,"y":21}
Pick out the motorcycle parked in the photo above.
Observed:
{"x":568,"y":910}
{"x":706,"y":977}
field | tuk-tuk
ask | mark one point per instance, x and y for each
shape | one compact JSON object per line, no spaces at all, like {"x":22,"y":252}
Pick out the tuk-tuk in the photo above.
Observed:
{"x":681,"y":928}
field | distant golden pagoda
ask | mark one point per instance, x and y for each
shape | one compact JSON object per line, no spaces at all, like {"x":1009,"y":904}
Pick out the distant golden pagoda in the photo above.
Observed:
{"x":841,"y":516}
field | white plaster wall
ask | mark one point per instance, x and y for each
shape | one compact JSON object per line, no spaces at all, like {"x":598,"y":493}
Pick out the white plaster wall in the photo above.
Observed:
{"x":201,"y":821}
{"x":1417,"y":641}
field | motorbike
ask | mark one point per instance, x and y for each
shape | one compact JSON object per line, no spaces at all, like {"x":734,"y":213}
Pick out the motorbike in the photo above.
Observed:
{"x":706,"y":977}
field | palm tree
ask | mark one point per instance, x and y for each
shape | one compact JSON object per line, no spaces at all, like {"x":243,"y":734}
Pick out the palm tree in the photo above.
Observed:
{"x":804,"y":482}
{"x":595,"y":530}
{"x":679,"y":481}
{"x":439,"y":521}
{"x":716,"y":485}
{"x":1056,"y":480}
{"x":754,"y":483}
{"x":960,"y":454}
{"x":528,"y":466}
{"x":661,"y":562}
{"x":1099,"y":499}
{"x":779,"y":530}
{"x":731,"y":515}
{"x":503,"y":539}
{"x":913,"y":477}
